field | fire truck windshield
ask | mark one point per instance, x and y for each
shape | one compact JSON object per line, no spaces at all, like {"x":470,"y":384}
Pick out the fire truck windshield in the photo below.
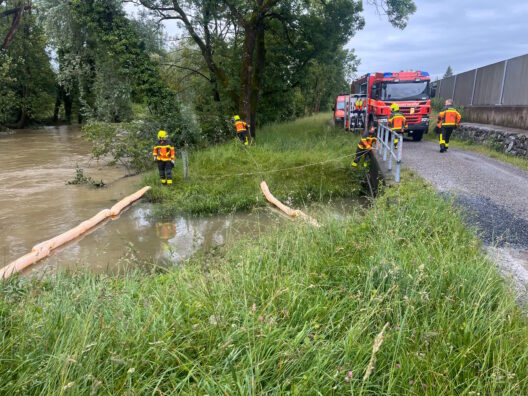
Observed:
{"x":418,"y":90}
{"x":340,"y":106}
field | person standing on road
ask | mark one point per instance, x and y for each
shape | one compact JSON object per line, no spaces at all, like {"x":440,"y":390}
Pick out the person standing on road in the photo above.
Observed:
{"x":164,"y":156}
{"x":241,"y":130}
{"x":448,"y":120}
{"x":366,"y":144}
{"x":397,"y":121}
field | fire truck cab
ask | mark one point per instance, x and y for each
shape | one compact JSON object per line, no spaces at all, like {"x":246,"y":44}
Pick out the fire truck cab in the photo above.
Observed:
{"x":410,"y":90}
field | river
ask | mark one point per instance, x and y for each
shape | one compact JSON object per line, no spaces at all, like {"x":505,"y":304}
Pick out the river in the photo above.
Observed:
{"x":36,"y":204}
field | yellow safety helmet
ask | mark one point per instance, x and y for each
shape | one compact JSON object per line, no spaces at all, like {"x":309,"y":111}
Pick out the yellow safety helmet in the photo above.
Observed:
{"x":162,"y":135}
{"x":236,"y":118}
{"x":395,"y":107}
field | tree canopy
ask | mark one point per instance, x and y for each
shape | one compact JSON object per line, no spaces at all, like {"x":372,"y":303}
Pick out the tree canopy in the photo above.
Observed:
{"x":95,"y":61}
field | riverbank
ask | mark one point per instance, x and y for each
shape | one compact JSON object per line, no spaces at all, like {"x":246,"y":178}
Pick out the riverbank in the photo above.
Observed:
{"x":303,"y":161}
{"x":298,"y":310}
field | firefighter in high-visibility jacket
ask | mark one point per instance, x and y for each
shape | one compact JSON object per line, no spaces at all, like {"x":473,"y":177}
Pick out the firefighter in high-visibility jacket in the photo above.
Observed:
{"x":397,"y":121}
{"x":448,"y":120}
{"x":163,"y":154}
{"x":365,"y":146}
{"x":241,"y":130}
{"x":358,"y":111}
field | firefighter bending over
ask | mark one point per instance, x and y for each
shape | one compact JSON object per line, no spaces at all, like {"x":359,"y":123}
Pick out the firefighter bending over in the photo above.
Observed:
{"x":164,"y":156}
{"x":241,"y":130}
{"x":448,"y":120}
{"x":366,"y":144}
{"x":397,"y":121}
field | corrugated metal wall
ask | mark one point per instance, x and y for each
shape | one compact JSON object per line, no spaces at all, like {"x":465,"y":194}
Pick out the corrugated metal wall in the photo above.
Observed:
{"x":516,"y":82}
{"x":464,"y":87}
{"x":489,"y":84}
{"x":503,"y":83}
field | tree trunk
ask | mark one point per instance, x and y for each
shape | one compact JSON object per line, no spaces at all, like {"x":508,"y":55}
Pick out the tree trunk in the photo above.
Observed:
{"x":14,"y":27}
{"x":314,"y":96}
{"x":57,"y":106}
{"x":68,"y":102}
{"x":248,"y":51}
{"x":256,"y":80}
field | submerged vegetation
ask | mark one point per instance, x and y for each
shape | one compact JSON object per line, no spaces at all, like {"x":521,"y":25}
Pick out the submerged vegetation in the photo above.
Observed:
{"x":360,"y":305}
{"x":302,"y":161}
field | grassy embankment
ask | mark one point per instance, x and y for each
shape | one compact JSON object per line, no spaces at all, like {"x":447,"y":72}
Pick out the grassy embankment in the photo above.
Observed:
{"x":297,"y":311}
{"x":215,"y":185}
{"x":487,"y":150}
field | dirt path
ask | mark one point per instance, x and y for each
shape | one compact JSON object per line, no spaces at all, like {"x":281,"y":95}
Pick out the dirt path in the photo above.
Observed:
{"x":492,"y":194}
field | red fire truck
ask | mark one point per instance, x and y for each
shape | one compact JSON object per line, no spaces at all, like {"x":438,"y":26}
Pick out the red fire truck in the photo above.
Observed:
{"x":410,"y":90}
{"x":339,"y":109}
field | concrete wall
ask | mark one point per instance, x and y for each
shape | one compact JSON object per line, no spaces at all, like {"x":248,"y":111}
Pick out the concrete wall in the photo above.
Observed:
{"x":509,"y":116}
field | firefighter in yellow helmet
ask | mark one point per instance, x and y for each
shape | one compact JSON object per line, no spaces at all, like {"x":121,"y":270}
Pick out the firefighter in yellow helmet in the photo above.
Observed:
{"x":448,"y":120}
{"x":366,"y":144}
{"x":397,"y":121}
{"x":163,"y":155}
{"x":241,"y":130}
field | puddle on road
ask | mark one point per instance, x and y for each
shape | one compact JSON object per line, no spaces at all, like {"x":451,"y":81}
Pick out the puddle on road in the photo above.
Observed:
{"x":36,"y":204}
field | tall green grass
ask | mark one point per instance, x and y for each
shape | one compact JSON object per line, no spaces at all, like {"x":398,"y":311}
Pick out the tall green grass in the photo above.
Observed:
{"x":296,"y":312}
{"x":217,"y":182}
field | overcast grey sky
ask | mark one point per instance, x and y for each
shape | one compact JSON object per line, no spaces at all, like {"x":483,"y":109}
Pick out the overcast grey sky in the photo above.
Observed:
{"x":462,"y":33}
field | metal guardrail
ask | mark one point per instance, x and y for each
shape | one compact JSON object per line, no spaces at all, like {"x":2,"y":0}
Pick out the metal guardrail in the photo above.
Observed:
{"x":385,"y":148}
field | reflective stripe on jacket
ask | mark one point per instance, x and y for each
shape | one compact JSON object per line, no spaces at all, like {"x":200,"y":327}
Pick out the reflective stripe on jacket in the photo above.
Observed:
{"x":241,"y":126}
{"x":358,"y":104}
{"x":449,"y":116}
{"x":397,"y":122}
{"x":367,"y":141}
{"x":163,"y":151}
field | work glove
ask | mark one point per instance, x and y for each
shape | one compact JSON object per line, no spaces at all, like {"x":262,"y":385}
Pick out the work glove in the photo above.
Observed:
{"x":172,"y":162}
{"x":155,"y":159}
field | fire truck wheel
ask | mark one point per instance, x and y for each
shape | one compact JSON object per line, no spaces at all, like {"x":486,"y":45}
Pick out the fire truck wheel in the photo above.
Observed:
{"x":417,"y":136}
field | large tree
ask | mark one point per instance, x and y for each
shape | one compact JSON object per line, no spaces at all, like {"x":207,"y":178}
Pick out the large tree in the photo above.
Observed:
{"x":305,"y":29}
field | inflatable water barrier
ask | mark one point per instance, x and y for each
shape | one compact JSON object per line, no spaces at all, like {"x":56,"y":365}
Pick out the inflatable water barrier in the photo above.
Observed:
{"x":286,"y":209}
{"x":44,"y":249}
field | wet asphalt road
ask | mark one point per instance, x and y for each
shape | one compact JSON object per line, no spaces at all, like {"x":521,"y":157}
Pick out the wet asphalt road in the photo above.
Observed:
{"x":492,"y":194}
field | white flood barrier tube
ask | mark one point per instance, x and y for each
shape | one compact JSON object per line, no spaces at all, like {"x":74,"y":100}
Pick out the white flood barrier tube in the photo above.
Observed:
{"x":44,"y":249}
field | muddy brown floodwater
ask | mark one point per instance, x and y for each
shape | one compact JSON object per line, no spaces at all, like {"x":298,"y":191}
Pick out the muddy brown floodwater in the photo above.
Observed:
{"x":36,"y":204}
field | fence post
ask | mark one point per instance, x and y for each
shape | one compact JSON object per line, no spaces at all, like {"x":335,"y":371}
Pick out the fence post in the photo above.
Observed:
{"x":391,"y":151}
{"x":399,"y":159}
{"x":386,"y":140}
{"x":503,"y":81}
{"x":185,"y":160}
